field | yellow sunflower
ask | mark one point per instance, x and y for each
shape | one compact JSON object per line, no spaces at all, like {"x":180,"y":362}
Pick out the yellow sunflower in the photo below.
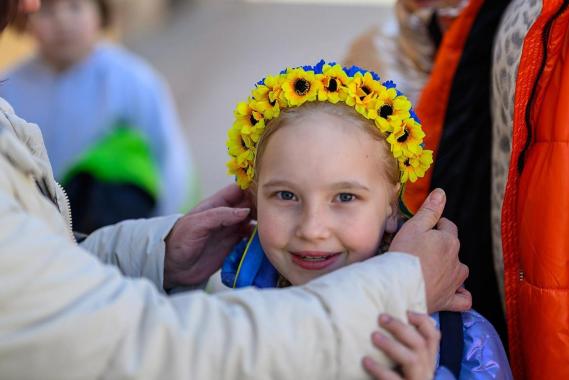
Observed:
{"x":362,"y":91}
{"x":249,"y":121}
{"x":240,"y":174}
{"x":389,"y":105}
{"x":235,"y":145}
{"x":334,"y":84}
{"x":240,"y":147}
{"x":267,"y":97}
{"x":406,"y":138}
{"x":415,"y":167}
{"x":300,"y":86}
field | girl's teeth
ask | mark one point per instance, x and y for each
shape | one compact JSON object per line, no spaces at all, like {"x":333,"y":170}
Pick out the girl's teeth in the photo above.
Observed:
{"x":321,"y":258}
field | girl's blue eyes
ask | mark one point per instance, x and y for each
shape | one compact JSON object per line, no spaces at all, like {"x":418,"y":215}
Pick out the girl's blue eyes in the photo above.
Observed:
{"x":285,"y":195}
{"x":346,"y":197}
{"x":289,"y":196}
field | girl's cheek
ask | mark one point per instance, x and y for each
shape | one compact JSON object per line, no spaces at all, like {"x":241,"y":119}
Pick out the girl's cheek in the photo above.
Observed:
{"x":276,"y":226}
{"x":268,"y":224}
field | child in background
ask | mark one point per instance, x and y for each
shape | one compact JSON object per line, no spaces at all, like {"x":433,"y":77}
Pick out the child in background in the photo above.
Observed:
{"x":108,"y":120}
{"x":326,"y":152}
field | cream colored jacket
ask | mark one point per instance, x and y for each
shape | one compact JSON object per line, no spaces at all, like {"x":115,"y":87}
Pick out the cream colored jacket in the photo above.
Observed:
{"x":66,"y":314}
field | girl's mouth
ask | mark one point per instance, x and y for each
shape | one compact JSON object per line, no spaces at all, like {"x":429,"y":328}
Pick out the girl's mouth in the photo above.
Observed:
{"x":314,"y":260}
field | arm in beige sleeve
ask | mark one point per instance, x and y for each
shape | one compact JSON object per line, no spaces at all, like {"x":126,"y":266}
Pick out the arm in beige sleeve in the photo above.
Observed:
{"x":136,"y":247}
{"x":65,"y":315}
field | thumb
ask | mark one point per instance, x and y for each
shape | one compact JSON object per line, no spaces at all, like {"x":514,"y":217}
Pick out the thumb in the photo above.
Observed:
{"x":461,"y":301}
{"x":220,"y":217}
{"x":430,"y":212}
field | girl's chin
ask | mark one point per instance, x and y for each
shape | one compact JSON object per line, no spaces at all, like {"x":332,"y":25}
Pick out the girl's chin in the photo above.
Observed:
{"x":297,"y":276}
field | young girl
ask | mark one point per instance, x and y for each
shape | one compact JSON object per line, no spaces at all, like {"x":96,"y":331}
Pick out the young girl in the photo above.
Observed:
{"x":103,"y":112}
{"x":326,"y":152}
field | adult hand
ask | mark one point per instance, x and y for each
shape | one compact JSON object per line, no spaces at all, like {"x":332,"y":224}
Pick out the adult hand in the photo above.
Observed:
{"x":200,"y":240}
{"x":438,"y":251}
{"x":413,"y":348}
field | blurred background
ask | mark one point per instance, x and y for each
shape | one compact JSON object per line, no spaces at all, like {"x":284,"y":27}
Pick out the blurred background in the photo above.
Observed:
{"x":211,"y":52}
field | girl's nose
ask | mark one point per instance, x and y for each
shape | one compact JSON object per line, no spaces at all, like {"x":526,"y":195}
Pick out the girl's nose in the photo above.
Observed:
{"x":313,"y":225}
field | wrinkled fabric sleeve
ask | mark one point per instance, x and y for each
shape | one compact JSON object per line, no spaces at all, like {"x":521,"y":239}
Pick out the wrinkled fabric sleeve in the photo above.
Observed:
{"x":65,"y":315}
{"x":484,"y":354}
{"x":136,"y":247}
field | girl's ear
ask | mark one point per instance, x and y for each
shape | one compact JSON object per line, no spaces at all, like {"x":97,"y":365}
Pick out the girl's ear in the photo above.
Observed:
{"x":392,"y":221}
{"x":252,"y":195}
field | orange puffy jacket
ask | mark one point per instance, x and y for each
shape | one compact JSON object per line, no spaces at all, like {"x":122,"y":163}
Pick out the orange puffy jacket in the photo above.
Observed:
{"x":535,"y":212}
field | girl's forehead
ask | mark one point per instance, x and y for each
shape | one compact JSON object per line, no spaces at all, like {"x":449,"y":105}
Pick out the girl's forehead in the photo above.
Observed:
{"x":324,"y":146}
{"x":321,"y":129}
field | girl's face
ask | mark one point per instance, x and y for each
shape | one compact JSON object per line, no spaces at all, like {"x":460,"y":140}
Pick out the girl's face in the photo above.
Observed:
{"x":66,"y":30}
{"x":323,"y":200}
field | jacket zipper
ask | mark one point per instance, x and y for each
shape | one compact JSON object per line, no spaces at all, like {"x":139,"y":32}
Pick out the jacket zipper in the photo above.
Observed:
{"x":545,"y":40}
{"x":67,"y":213}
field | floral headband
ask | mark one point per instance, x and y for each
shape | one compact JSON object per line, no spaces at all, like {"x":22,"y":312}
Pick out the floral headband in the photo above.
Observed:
{"x":328,"y":82}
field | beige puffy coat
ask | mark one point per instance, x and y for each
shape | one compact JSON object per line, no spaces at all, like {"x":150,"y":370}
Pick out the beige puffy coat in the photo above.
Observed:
{"x":66,"y":314}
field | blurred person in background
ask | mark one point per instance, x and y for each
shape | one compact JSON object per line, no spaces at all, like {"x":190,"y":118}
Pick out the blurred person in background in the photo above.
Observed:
{"x":108,"y":120}
{"x":405,"y":48}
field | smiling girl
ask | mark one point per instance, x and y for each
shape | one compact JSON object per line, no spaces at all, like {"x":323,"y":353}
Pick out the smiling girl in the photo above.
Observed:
{"x":326,"y":152}
{"x":326,"y":191}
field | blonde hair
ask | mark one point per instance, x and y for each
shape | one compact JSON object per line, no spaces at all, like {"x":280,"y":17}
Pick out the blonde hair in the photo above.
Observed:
{"x":292,"y":115}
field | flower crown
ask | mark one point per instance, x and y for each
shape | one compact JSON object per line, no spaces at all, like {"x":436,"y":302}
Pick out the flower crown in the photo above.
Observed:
{"x":328,"y":82}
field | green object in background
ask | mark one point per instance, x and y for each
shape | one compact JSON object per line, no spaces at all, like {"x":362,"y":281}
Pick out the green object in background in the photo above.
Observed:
{"x":122,"y":156}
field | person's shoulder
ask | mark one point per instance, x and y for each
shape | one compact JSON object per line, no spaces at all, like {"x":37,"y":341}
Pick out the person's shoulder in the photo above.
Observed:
{"x":21,"y":143}
{"x":125,"y":63}
{"x":472,"y":320}
{"x":483,"y":349}
{"x":5,"y":108}
{"x":29,"y":68}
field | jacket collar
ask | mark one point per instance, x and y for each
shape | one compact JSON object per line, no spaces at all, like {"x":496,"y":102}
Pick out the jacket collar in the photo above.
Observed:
{"x":22,"y":144}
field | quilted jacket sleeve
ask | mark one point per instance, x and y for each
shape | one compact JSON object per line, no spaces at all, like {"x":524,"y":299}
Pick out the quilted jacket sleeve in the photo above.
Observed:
{"x":65,"y":315}
{"x":136,"y":247}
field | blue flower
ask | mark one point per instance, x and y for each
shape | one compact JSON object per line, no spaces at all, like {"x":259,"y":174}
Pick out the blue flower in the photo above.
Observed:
{"x":318,"y":67}
{"x":351,"y":71}
{"x":414,"y":116}
{"x":389,"y":84}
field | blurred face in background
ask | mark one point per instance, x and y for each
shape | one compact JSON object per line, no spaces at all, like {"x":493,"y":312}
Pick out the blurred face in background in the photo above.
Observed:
{"x":66,"y":30}
{"x":27,"y":6}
